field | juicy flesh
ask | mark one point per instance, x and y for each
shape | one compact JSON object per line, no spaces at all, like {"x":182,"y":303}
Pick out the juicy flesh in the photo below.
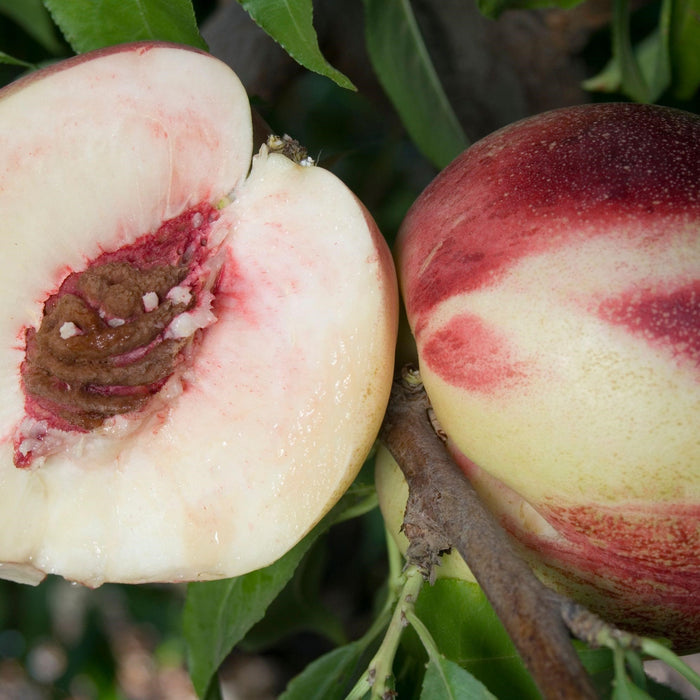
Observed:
{"x":270,"y":411}
{"x":255,"y":435}
{"x":113,"y":333}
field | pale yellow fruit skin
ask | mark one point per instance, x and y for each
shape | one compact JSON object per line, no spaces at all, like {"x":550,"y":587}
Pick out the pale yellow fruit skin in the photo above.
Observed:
{"x":551,"y":277}
{"x":617,"y":425}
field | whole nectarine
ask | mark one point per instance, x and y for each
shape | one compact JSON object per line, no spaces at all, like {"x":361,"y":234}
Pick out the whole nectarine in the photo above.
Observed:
{"x":551,"y":276}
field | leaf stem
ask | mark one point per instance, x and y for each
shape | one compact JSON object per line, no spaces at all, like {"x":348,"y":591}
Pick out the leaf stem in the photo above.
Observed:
{"x":619,"y":666}
{"x":659,"y":651}
{"x":424,"y":635}
{"x":378,"y":678}
{"x":365,"y":505}
{"x":395,"y":559}
{"x":590,"y":628}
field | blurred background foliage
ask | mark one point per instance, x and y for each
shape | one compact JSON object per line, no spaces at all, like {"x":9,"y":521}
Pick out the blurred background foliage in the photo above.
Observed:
{"x":59,"y":640}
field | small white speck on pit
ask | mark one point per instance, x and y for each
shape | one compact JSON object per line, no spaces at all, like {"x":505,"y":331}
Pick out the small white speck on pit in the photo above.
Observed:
{"x":180,"y":295}
{"x":150,"y":301}
{"x":68,"y":330}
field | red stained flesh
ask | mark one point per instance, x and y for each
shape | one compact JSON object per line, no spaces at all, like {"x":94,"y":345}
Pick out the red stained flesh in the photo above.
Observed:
{"x":169,"y":243}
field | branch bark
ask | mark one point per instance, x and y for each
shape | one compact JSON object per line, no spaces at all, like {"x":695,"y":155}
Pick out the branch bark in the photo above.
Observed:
{"x":445,"y":511}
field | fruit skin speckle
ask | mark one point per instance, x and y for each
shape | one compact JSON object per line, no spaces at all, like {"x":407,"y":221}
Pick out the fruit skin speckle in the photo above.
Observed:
{"x":539,"y":184}
{"x":551,"y":276}
{"x":636,"y":556}
{"x":671,"y":320}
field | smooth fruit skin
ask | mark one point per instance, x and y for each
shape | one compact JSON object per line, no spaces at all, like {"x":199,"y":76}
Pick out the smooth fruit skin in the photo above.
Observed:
{"x":272,"y":413}
{"x":551,"y":276}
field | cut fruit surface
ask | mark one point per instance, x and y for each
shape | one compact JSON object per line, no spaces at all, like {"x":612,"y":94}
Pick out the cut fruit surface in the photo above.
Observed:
{"x":230,"y":351}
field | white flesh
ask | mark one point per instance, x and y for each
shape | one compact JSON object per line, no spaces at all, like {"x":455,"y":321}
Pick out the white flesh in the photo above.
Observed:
{"x":273,"y":420}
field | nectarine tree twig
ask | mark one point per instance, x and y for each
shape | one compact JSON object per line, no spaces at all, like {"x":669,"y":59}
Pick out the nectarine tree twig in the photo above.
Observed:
{"x":596,"y":632}
{"x":444,"y":511}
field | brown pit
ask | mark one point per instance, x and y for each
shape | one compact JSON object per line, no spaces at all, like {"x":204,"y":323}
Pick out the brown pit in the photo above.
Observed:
{"x":102,"y":369}
{"x":109,"y":337}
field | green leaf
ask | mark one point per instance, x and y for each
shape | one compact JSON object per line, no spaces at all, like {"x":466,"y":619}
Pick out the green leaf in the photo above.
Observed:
{"x":652,"y":57}
{"x":595,"y":661}
{"x":405,"y":70}
{"x":93,"y":24}
{"x":684,"y":43}
{"x":32,"y":16}
{"x":298,"y":608}
{"x":329,"y":677}
{"x":609,"y":79}
{"x":467,"y":631}
{"x":632,"y":81}
{"x":624,"y":689}
{"x":218,"y":614}
{"x":658,"y":72}
{"x":290,"y":24}
{"x":446,"y":680}
{"x":12,"y":61}
{"x":642,"y":72}
{"x":494,"y":8}
{"x":213,"y":692}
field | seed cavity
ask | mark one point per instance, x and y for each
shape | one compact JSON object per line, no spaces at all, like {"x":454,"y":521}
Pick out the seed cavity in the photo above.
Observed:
{"x":112,"y":335}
